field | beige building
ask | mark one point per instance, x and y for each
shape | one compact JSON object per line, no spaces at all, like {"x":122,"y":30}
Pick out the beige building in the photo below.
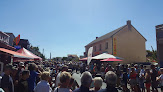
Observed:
{"x":125,"y":42}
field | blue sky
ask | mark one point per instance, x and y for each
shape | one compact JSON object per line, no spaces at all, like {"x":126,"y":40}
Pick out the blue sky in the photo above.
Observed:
{"x":65,"y":26}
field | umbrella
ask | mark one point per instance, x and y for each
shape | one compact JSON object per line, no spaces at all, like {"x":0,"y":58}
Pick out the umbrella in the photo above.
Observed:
{"x":154,"y":61}
{"x":111,"y":59}
{"x":104,"y":56}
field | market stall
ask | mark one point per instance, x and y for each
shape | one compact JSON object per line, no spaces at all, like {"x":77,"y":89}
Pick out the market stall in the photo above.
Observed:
{"x":30,"y":54}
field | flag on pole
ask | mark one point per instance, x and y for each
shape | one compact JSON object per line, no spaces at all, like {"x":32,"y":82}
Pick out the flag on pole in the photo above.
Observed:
{"x":17,"y":39}
{"x":89,"y":55}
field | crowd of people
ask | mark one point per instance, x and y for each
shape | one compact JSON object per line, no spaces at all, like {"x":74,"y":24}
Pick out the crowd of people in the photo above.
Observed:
{"x":58,"y":77}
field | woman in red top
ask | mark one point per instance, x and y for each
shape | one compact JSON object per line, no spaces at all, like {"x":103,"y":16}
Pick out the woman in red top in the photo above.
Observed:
{"x":133,"y":81}
{"x":94,"y":70}
{"x":148,"y":80}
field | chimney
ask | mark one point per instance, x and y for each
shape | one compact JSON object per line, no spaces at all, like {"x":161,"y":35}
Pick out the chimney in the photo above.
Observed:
{"x":96,"y":37}
{"x":160,"y":27}
{"x":129,"y":24}
{"x":159,"y":30}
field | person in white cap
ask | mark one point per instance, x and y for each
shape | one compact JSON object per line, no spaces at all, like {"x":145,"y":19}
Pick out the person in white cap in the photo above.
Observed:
{"x":18,"y":74}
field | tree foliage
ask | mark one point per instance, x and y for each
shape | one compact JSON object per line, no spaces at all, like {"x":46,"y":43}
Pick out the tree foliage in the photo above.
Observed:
{"x":36,"y":51}
{"x":64,"y":58}
{"x":152,"y":55}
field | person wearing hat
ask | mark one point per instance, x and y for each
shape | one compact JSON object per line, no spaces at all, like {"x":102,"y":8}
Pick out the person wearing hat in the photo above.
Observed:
{"x":7,"y":82}
{"x":18,"y":74}
{"x":20,"y":69}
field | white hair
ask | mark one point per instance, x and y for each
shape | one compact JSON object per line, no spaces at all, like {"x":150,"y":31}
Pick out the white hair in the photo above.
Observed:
{"x":111,"y":78}
{"x":86,"y":78}
{"x":98,"y":82}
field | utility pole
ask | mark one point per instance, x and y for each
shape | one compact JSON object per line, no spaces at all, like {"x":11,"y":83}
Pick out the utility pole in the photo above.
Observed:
{"x":43,"y":51}
{"x":152,"y":49}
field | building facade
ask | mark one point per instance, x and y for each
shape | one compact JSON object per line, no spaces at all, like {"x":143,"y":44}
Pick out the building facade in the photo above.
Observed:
{"x":125,"y":42}
{"x":4,"y":38}
{"x":4,"y":41}
{"x":11,"y":38}
{"x":159,"y":40}
{"x":5,"y":58}
{"x":24,"y":43}
{"x":72,"y":56}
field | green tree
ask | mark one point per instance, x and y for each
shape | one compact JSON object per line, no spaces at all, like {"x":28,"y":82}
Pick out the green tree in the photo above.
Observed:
{"x":152,"y":55}
{"x":54,"y":59}
{"x":64,"y":58}
{"x":36,"y":49}
{"x":58,"y":58}
{"x":37,"y":52}
{"x":43,"y":57}
{"x":75,"y":59}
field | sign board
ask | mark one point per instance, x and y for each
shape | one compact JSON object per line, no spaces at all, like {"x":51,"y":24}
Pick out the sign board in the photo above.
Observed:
{"x":96,"y":53}
{"x":17,"y":47}
{"x":114,"y":46}
{"x":89,"y":55}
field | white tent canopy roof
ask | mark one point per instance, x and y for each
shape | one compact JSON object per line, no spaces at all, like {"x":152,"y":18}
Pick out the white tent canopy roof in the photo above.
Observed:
{"x":105,"y":56}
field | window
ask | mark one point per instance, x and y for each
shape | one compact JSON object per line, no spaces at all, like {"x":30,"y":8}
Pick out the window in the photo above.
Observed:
{"x":94,"y":48}
{"x":106,"y":45}
{"x":100,"y":48}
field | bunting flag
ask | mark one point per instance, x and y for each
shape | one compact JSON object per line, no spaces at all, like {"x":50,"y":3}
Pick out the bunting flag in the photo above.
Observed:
{"x":17,"y":39}
{"x":89,"y":55}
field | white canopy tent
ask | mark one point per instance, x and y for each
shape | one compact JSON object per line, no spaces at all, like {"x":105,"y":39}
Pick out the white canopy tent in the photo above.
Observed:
{"x":105,"y":56}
